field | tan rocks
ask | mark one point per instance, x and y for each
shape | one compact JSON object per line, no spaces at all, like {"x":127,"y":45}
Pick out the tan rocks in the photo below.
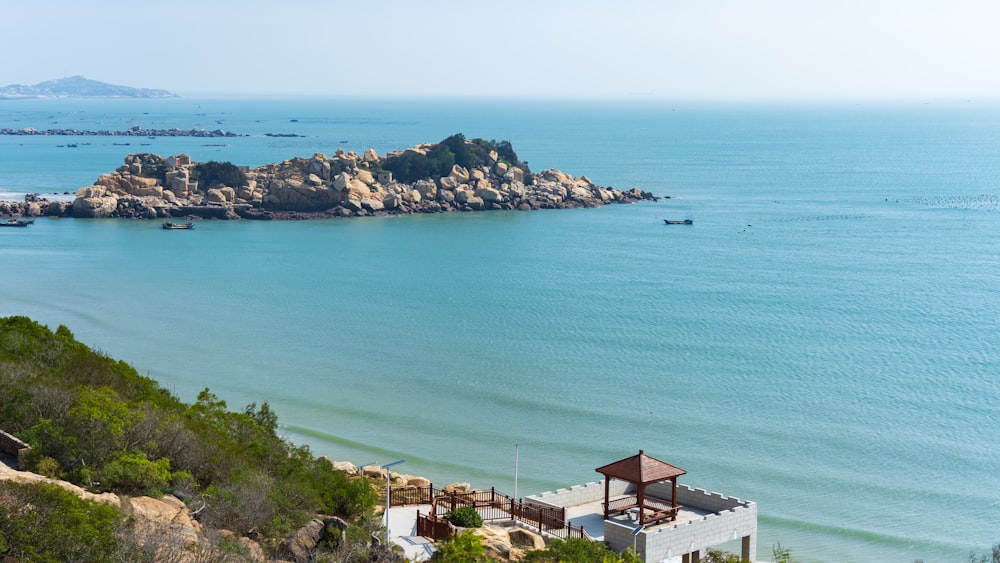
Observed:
{"x":365,"y":176}
{"x":170,"y":516}
{"x":215,"y":195}
{"x":91,"y":192}
{"x":525,"y":539}
{"x":94,"y":207}
{"x":9,"y":474}
{"x":461,"y":175}
{"x":344,"y":184}
{"x":489,"y":195}
{"x":357,"y":188}
{"x":412,"y":481}
{"x":299,"y":544}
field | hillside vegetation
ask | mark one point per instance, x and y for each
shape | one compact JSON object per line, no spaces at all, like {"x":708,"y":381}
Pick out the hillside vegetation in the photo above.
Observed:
{"x":96,"y":422}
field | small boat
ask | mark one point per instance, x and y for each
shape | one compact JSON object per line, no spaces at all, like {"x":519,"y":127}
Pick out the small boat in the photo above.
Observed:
{"x":684,"y":222}
{"x":16,"y":222}
{"x":178,"y":226}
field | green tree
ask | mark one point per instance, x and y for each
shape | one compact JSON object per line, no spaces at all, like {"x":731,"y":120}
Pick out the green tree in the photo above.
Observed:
{"x":211,"y":174}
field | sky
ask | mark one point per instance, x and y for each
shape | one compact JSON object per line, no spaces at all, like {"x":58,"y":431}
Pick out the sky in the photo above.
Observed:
{"x":533,"y":49}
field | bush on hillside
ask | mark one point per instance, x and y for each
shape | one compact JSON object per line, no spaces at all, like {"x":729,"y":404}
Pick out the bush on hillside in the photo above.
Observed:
{"x":46,"y":523}
{"x":464,"y":517}
{"x":99,"y":424}
{"x":579,"y":550}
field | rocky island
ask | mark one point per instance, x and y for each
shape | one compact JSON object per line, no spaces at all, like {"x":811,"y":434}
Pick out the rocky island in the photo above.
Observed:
{"x":457,"y":174}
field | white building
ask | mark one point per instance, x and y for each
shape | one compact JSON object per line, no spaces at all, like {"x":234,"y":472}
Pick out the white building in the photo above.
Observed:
{"x":639,"y":504}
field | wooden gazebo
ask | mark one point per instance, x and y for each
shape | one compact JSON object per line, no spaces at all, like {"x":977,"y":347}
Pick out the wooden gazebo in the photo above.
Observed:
{"x":641,"y":470}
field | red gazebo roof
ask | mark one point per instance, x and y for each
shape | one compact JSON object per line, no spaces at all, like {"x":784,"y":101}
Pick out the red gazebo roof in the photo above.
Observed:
{"x":641,"y":469}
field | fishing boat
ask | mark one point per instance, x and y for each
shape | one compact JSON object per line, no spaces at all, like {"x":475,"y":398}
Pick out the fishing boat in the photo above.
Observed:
{"x":683,"y":222}
{"x":16,"y":222}
{"x":178,"y":226}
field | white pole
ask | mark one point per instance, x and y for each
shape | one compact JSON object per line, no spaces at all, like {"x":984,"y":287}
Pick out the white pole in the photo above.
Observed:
{"x":388,"y":492}
{"x":515,"y":470}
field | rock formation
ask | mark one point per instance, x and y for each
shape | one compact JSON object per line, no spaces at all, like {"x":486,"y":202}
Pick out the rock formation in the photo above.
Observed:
{"x":344,"y":184}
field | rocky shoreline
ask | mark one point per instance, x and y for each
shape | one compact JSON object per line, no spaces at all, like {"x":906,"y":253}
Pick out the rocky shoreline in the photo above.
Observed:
{"x":343,"y":184}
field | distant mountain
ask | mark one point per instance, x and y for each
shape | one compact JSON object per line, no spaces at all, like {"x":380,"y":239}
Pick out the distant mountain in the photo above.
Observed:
{"x":79,"y":87}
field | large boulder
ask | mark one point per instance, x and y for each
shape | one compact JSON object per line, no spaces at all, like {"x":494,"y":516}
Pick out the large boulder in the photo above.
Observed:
{"x":448,"y":183}
{"x":91,"y":191}
{"x":365,"y":176}
{"x":372,"y":204}
{"x":526,"y":539}
{"x":341,"y":181}
{"x":94,"y":207}
{"x":299,"y":544}
{"x":167,"y":516}
{"x":489,"y":195}
{"x":215,"y":195}
{"x":357,"y":188}
{"x":461,"y":175}
{"x":427,"y":188}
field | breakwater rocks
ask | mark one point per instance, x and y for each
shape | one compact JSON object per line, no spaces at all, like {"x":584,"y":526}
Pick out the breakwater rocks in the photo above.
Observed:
{"x":136,"y":131}
{"x":344,"y":184}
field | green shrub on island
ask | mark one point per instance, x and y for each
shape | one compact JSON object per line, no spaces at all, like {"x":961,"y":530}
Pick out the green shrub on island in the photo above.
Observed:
{"x":97,"y":423}
{"x":464,"y":517}
{"x":410,"y":166}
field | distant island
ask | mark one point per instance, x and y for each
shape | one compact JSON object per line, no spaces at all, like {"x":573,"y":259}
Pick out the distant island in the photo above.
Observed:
{"x":78,"y":87}
{"x":456,"y":174}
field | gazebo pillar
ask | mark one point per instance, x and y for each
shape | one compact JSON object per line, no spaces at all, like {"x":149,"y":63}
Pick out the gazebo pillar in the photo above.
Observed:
{"x":607,"y":497}
{"x":641,"y":499}
{"x":673,"y":493}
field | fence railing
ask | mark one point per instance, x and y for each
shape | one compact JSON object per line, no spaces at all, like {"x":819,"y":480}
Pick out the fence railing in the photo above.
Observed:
{"x":430,"y":527}
{"x":492,"y":505}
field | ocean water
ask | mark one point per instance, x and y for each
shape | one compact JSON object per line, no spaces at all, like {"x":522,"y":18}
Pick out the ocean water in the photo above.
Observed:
{"x":823,"y":340}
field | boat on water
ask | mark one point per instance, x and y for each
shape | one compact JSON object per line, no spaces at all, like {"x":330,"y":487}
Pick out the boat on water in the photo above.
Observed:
{"x":178,"y":226}
{"x":683,"y":222}
{"x":16,"y":222}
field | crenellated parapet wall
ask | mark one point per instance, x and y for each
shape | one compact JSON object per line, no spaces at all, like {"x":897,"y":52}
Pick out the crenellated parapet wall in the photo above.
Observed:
{"x":726,"y":519}
{"x":580,"y":494}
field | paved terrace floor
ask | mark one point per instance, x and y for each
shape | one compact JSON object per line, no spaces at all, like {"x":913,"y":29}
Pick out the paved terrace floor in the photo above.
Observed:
{"x":403,"y":532}
{"x":591,"y":517}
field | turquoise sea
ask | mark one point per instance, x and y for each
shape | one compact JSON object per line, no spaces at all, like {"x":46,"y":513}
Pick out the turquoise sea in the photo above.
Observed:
{"x":824,"y":340}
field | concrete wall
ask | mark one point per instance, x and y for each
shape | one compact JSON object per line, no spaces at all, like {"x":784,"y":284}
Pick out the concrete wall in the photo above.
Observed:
{"x":580,"y":494}
{"x":11,"y":445}
{"x":730,"y":519}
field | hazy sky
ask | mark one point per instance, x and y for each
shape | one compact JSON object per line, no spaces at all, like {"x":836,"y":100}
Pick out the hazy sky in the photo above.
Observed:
{"x":680,"y":49}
